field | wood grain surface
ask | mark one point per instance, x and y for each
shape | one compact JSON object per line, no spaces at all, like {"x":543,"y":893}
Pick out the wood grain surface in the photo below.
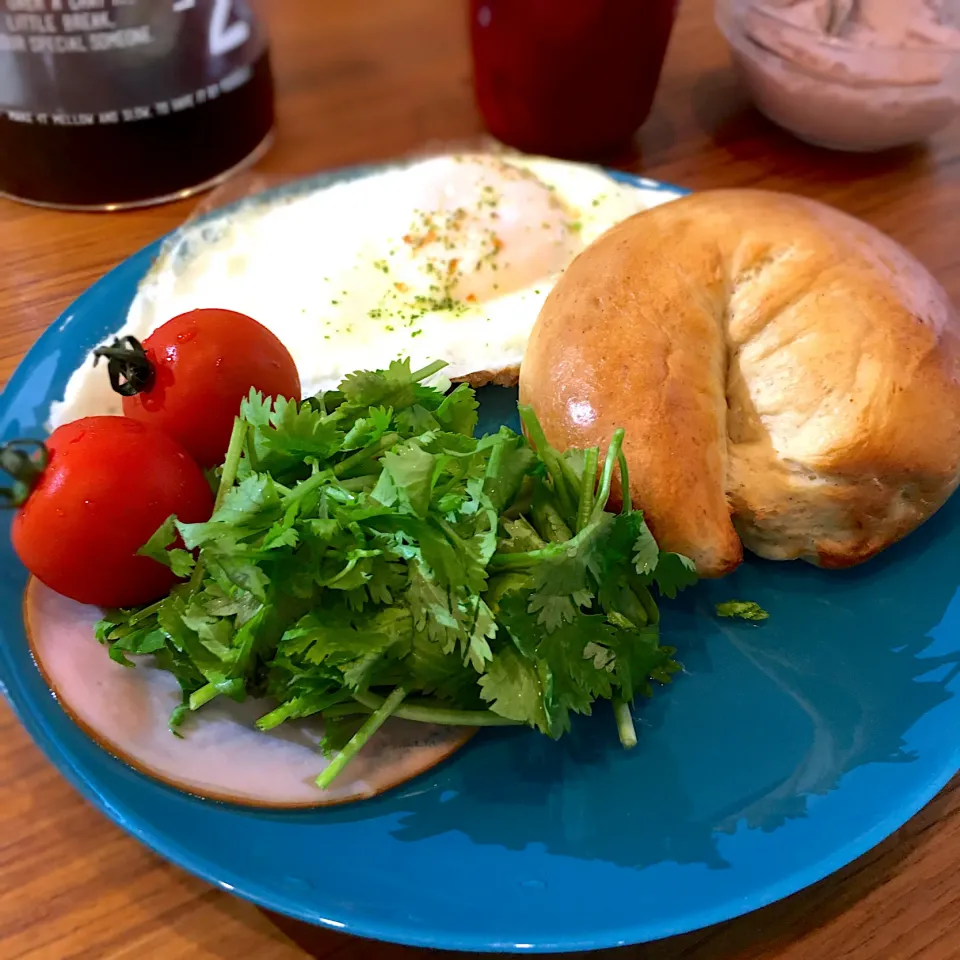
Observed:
{"x":363,"y":81}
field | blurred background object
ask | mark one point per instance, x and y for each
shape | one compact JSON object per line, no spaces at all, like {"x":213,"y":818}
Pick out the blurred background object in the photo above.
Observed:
{"x":105,"y":105}
{"x":856,"y":75}
{"x":573,"y":79}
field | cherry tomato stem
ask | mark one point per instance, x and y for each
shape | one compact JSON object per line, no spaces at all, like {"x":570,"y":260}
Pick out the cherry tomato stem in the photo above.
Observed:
{"x":24,"y":461}
{"x":128,"y":366}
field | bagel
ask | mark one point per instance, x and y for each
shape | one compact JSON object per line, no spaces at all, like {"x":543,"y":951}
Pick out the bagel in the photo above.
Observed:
{"x":788,"y":377}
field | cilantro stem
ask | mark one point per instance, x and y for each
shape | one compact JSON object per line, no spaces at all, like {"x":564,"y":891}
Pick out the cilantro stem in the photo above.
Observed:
{"x":367,"y":453}
{"x":277,"y":716}
{"x":144,"y":612}
{"x":360,"y":484}
{"x":300,"y":706}
{"x":203,"y":696}
{"x":588,"y":485}
{"x":513,"y":561}
{"x":625,"y":727}
{"x":228,"y":477}
{"x":529,"y":530}
{"x":304,"y":487}
{"x":627,"y":506}
{"x":551,"y":526}
{"x":452,"y":534}
{"x":351,"y":563}
{"x":520,"y":561}
{"x":631,"y":608}
{"x":551,"y":459}
{"x":356,"y":743}
{"x":492,"y":471}
{"x":523,"y":501}
{"x":572,"y":480}
{"x":606,"y":478}
{"x":428,"y":371}
{"x":338,"y":710}
{"x":446,"y":716}
{"x":212,"y":690}
{"x":648,"y":603}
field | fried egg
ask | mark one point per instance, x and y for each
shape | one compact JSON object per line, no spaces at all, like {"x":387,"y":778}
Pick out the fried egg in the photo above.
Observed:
{"x":447,"y":258}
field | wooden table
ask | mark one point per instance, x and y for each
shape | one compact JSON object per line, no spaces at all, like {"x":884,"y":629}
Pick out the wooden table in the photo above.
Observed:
{"x":361,"y":81}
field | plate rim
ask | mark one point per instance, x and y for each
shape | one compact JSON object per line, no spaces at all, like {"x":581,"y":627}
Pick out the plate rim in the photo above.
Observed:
{"x":260,"y":894}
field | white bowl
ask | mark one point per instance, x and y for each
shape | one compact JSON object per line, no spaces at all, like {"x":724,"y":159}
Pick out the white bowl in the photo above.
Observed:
{"x":855,"y":110}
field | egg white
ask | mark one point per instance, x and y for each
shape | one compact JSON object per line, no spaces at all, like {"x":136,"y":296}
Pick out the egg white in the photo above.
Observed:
{"x":448,"y":258}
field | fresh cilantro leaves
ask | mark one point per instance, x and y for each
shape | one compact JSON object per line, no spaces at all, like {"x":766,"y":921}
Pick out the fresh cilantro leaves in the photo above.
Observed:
{"x":158,"y":548}
{"x":742,"y":610}
{"x":368,"y":556}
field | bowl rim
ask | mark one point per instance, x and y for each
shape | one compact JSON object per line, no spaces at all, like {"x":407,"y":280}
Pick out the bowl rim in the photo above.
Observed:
{"x":728,"y":15}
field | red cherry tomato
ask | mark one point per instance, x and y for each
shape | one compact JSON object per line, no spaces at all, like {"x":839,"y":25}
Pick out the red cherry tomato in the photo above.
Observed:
{"x":198,"y":367}
{"x":108,"y":484}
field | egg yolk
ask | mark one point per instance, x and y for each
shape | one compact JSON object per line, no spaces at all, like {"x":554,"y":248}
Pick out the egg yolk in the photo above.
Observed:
{"x":485,"y":229}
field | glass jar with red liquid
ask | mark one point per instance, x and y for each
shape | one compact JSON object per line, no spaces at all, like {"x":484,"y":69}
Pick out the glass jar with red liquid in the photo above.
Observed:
{"x":568,"y":78}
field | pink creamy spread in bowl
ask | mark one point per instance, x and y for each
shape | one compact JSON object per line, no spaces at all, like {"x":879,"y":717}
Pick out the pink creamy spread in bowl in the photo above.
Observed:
{"x":859,"y":75}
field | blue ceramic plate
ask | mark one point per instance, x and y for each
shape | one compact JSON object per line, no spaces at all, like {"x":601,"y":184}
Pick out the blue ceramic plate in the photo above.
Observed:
{"x":783,"y":752}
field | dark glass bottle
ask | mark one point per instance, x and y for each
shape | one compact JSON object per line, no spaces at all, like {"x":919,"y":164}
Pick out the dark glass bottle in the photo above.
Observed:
{"x":112,"y":103}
